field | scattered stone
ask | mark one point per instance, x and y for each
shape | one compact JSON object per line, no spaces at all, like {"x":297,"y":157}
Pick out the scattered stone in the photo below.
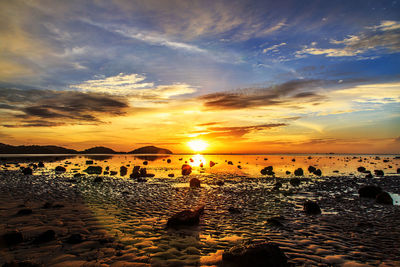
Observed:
{"x":369,"y":191}
{"x":295,"y":181}
{"x":234,"y":210}
{"x":171,"y":175}
{"x":89,"y":162}
{"x":255,"y":255}
{"x":379,"y":173}
{"x":41,"y":164}
{"x":361,"y":169}
{"x":318,"y":172}
{"x":145,"y":162}
{"x":21,"y":264}
{"x":212,"y":163}
{"x":44,"y":237}
{"x":123,"y":170}
{"x":277,"y":185}
{"x":311,"y":169}
{"x":98,"y":180}
{"x":398,"y":170}
{"x":186,"y":169}
{"x":194,"y":182}
{"x":60,"y":169}
{"x":78,"y":175}
{"x":23,"y":212}
{"x":311,"y":207}
{"x":268,"y":171}
{"x":220,"y":182}
{"x":113,"y":173}
{"x":186,"y":218}
{"x":384,"y":198}
{"x":369,"y":175}
{"x":12,"y":238}
{"x":94,"y":170}
{"x":74,"y":239}
{"x":27,"y":171}
{"x":287,"y":172}
{"x":168,"y":160}
{"x":230,"y":163}
{"x":299,"y":172}
{"x":275,"y":221}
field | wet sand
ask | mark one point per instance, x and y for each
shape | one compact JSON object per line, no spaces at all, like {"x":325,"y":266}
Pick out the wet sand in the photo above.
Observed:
{"x":122,"y":221}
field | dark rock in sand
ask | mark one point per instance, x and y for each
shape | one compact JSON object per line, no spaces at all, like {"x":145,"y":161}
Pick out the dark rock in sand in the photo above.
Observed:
{"x":379,"y":173}
{"x":267,"y":171}
{"x":194,"y":182}
{"x":212,"y":163}
{"x":47,"y":205}
{"x":113,"y":173}
{"x":230,"y":163}
{"x":287,"y":172}
{"x":255,"y":255}
{"x":318,"y":172}
{"x":123,"y":170}
{"x":186,"y":169}
{"x":384,"y":198}
{"x":74,"y":239}
{"x":311,"y":169}
{"x":94,"y":170}
{"x":89,"y":162}
{"x":27,"y":171}
{"x":78,"y":175}
{"x":60,"y":169}
{"x":12,"y":238}
{"x":186,"y":218}
{"x":398,"y":170}
{"x":23,"y":212}
{"x":369,"y":175}
{"x":168,"y":160}
{"x":44,"y":237}
{"x":295,"y":181}
{"x":299,"y":172}
{"x":145,"y":162}
{"x":220,"y":182}
{"x":311,"y":207}
{"x":277,"y":185}
{"x":369,"y":191}
{"x":41,"y":164}
{"x":361,"y":169}
{"x":171,"y":175}
{"x":98,"y":180}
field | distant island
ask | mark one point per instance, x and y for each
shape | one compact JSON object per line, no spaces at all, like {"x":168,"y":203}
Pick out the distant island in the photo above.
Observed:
{"x":35,"y":149}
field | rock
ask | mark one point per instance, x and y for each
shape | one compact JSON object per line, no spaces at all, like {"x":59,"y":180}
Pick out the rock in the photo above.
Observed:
{"x":78,"y":175}
{"x":275,"y":221}
{"x":361,"y":169}
{"x":230,"y":163}
{"x":295,"y":181}
{"x":311,"y":169}
{"x":168,"y":160}
{"x":379,"y":173}
{"x":369,"y":175}
{"x":89,"y":162}
{"x":287,"y":172}
{"x":123,"y":170}
{"x":311,"y":207}
{"x":27,"y":171}
{"x":194,"y":182}
{"x":220,"y":182}
{"x":44,"y":237}
{"x":186,"y":169}
{"x":398,"y":170}
{"x":384,"y":198}
{"x":113,"y":173}
{"x":145,"y":162}
{"x":94,"y":170}
{"x":212,"y":163}
{"x":171,"y":175}
{"x":277,"y":185}
{"x":186,"y":218}
{"x":107,"y":168}
{"x":74,"y":239}
{"x":299,"y":172}
{"x":23,"y":212}
{"x":255,"y":255}
{"x":318,"y":172}
{"x":60,"y":169}
{"x":267,"y":171}
{"x":21,"y":264}
{"x":12,"y":238}
{"x":234,"y":210}
{"x":293,"y":160}
{"x":369,"y":191}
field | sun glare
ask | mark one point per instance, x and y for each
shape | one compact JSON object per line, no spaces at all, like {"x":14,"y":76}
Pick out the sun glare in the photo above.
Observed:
{"x":197,"y":145}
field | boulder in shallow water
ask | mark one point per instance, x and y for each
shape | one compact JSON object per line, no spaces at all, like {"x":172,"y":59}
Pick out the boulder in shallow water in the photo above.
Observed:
{"x":311,"y":169}
{"x":89,"y":162}
{"x":295,"y":181}
{"x":12,"y":238}
{"x":94,"y":170}
{"x":361,"y":169}
{"x":369,"y":191}
{"x":186,"y":169}
{"x":44,"y":237}
{"x":113,"y":173}
{"x":318,"y":172}
{"x":171,"y":175}
{"x":398,"y":170}
{"x":27,"y":171}
{"x":212,"y":163}
{"x":123,"y":170}
{"x":194,"y":182}
{"x":379,"y":173}
{"x":384,"y":198}
{"x":257,"y":254}
{"x":186,"y":218}
{"x":311,"y":207}
{"x":60,"y":169}
{"x":299,"y":172}
{"x":98,"y":180}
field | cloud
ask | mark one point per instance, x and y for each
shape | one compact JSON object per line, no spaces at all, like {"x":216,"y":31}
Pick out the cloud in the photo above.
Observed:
{"x":270,"y":96}
{"x":384,"y":37}
{"x":132,"y":86}
{"x":59,"y":107}
{"x":273,"y":48}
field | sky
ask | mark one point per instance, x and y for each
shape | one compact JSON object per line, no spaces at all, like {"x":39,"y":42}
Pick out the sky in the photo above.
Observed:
{"x":244,"y":76}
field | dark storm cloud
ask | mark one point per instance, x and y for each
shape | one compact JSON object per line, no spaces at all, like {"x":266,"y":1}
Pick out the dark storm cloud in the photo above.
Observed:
{"x":273,"y":95}
{"x":59,"y":107}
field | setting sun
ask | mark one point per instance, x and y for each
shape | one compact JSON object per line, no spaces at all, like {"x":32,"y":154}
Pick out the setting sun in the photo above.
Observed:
{"x":197,"y":145}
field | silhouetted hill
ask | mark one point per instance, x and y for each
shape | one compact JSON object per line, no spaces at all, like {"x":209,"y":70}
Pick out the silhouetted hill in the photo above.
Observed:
{"x":98,"y":150}
{"x":150,"y":150}
{"x":7,"y":149}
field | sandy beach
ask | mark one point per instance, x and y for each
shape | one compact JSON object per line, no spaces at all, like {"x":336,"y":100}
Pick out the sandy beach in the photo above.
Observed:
{"x":109,"y":221}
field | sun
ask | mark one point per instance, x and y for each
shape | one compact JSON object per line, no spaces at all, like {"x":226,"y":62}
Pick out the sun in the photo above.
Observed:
{"x":197,"y":145}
